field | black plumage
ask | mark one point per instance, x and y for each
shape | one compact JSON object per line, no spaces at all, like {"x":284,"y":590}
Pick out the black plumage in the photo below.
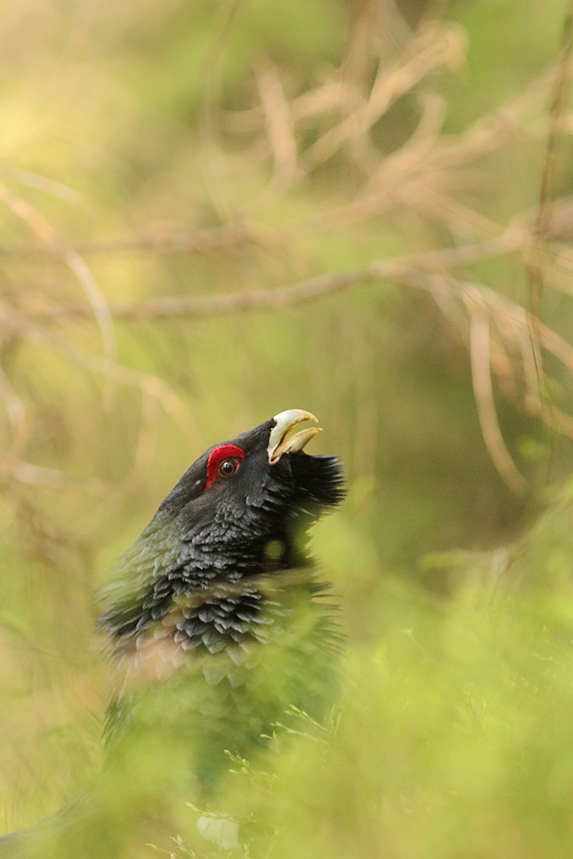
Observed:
{"x":215,"y":621}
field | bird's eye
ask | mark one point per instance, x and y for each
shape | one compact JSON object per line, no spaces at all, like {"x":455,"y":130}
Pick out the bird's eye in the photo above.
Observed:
{"x":228,"y":467}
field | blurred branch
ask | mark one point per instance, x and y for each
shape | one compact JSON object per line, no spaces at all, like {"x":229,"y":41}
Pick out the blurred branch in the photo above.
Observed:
{"x":400,"y":269}
{"x":51,"y":478}
{"x":543,"y":221}
{"x":46,"y":233}
{"x":163,"y":240}
{"x":280,"y":128}
{"x":481,"y":375}
{"x":433,"y":47}
{"x":43,"y":183}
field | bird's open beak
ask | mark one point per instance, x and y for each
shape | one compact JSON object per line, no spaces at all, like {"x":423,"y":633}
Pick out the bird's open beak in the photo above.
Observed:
{"x":281,"y":442}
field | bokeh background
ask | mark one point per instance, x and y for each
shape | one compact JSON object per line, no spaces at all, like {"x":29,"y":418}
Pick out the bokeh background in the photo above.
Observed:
{"x":214,"y":211}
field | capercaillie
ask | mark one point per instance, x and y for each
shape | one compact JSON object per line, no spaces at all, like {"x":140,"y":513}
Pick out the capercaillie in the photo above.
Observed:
{"x":216,"y":625}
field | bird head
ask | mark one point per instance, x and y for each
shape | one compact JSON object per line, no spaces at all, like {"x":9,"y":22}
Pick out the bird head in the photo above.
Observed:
{"x":241,"y":510}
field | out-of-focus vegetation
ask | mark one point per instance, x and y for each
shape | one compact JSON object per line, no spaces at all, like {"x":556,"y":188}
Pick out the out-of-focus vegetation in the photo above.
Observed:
{"x":213,"y":211}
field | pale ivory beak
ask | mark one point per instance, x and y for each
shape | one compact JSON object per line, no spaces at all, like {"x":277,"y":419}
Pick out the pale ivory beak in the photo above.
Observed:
{"x":281,"y":442}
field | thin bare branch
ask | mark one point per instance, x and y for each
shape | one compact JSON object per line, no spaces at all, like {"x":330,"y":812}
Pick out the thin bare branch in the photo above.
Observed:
{"x":159,"y":238}
{"x":429,"y":50}
{"x":502,"y":367}
{"x":45,"y":184}
{"x":100,"y":309}
{"x":549,"y":339}
{"x":15,"y":408}
{"x":399,"y":269}
{"x":483,"y":390}
{"x":542,"y":226}
{"x":45,"y":232}
{"x":50,"y":478}
{"x":505,"y":311}
{"x":530,"y":368}
{"x":279,"y":124}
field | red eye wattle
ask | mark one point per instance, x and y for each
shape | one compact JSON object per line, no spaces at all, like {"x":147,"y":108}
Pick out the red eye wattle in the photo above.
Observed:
{"x":223,"y":462}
